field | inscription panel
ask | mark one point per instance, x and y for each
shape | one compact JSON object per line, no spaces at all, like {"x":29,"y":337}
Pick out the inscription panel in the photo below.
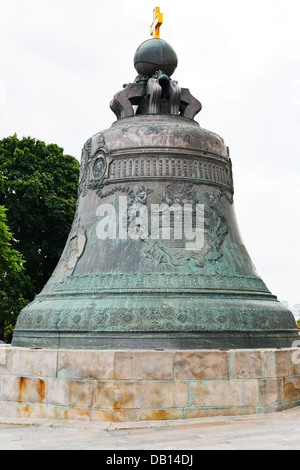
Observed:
{"x":165,"y":167}
{"x":157,"y":281}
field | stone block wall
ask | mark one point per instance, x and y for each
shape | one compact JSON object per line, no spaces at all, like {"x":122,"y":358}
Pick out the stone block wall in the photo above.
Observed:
{"x":146,"y":385}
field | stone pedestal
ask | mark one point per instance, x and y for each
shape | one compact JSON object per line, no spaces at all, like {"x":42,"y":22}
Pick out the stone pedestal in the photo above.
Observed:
{"x":147,"y":385}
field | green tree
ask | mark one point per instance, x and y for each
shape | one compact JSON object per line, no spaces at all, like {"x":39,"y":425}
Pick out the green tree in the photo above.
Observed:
{"x":12,"y":300}
{"x":11,"y":265}
{"x":38,"y":186}
{"x":11,"y":261}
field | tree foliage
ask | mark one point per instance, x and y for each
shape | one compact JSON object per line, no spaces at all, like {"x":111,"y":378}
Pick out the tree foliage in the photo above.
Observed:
{"x":11,"y":261}
{"x":12,"y":300}
{"x":11,"y":265}
{"x":38,"y":186}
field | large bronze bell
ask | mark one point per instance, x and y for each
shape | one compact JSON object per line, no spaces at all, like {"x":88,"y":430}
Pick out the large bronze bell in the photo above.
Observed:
{"x":131,"y":275}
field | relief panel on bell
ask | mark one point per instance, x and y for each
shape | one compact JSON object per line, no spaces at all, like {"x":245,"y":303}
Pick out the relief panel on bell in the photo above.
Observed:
{"x":165,"y":168}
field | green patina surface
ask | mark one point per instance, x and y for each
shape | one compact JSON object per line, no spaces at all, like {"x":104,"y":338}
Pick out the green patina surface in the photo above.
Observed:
{"x":154,"y":293}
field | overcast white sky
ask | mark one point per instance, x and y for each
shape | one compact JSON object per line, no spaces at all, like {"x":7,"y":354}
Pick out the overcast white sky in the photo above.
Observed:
{"x":63,"y":60}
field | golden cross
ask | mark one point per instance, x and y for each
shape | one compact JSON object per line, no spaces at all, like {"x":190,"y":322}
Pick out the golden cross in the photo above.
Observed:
{"x":157,"y":22}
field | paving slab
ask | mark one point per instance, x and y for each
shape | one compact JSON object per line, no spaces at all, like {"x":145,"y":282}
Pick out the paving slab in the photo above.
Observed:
{"x":278,"y":431}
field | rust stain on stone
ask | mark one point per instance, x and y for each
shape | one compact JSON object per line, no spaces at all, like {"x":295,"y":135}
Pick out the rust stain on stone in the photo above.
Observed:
{"x":80,"y":413}
{"x":209,"y":372}
{"x":121,"y":398}
{"x":107,"y":416}
{"x":26,"y":409}
{"x":197,"y":375}
{"x":23,"y":410}
{"x":291,"y":392}
{"x":41,"y":389}
{"x":160,"y":414}
{"x":117,"y":406}
{"x":22,"y":386}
